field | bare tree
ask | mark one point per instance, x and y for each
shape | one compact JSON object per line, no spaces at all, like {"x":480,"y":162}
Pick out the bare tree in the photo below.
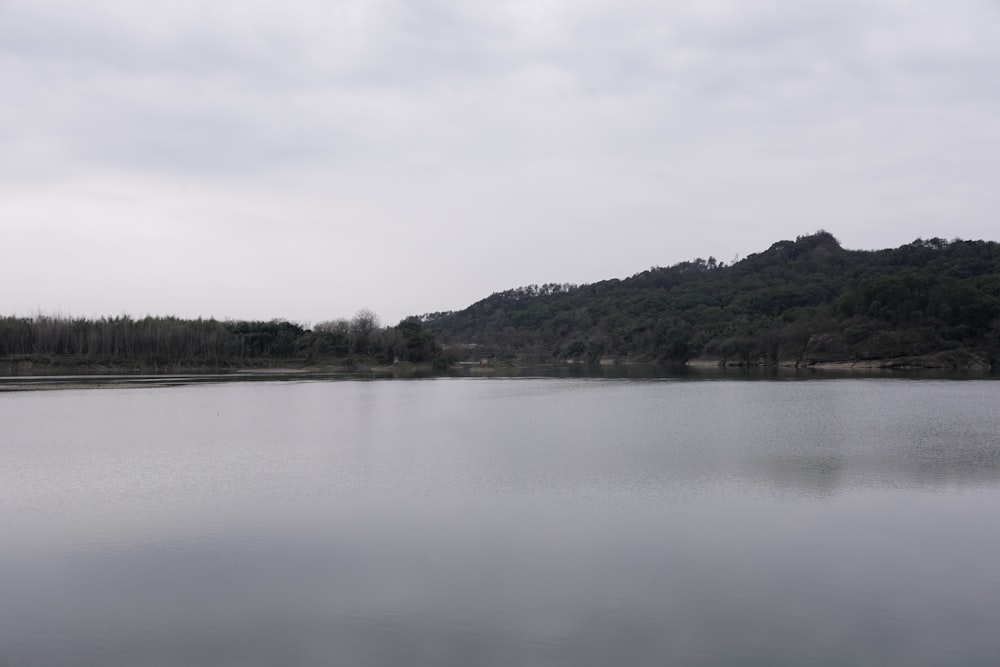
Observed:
{"x":364,"y":329}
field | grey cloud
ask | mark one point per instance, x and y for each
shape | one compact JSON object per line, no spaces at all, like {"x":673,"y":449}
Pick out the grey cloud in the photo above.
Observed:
{"x":623,"y":134}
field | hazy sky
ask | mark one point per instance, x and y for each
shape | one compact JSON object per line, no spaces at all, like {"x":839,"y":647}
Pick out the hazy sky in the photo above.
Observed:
{"x":302,"y":160}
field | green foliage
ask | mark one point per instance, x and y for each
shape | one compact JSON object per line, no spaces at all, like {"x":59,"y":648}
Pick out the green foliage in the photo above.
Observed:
{"x":276,"y":338}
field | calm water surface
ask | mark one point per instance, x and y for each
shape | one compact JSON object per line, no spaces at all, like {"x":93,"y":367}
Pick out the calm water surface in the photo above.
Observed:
{"x":502,"y":522}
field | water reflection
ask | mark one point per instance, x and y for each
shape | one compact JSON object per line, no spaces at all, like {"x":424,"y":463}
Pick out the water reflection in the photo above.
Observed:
{"x":531,"y":582}
{"x":502,"y":521}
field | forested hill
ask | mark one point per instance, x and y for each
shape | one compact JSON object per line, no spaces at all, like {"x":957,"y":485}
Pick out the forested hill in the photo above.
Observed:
{"x":928,"y":303}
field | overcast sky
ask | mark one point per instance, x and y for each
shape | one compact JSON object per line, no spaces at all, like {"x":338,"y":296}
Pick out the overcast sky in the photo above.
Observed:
{"x":303,"y":160}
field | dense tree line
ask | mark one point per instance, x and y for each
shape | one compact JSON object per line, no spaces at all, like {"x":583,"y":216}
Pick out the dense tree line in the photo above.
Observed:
{"x":801,"y":301}
{"x":154,"y":343}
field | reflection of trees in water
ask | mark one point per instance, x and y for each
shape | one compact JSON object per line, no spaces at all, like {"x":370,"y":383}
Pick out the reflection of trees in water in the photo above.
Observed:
{"x":959,"y":461}
{"x":818,"y":474}
{"x":938,"y":464}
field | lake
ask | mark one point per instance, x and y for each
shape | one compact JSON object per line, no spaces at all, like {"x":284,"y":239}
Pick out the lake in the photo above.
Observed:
{"x":502,"y":521}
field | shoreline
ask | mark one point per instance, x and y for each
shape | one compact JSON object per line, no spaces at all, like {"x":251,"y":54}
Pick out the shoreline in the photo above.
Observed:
{"x":707,"y":369}
{"x":938,"y":362}
{"x":57,"y":376}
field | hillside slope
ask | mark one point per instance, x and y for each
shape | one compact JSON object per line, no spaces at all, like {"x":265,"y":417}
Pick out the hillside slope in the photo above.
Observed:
{"x":928,"y":303}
